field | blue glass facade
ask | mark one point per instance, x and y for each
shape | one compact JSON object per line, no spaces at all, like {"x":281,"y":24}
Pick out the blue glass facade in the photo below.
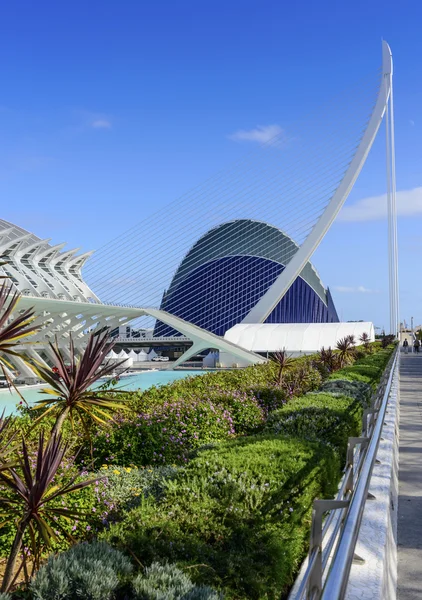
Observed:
{"x":218,"y":294}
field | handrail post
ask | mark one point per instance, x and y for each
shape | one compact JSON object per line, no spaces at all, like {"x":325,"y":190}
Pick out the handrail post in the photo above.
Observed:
{"x":320,"y":507}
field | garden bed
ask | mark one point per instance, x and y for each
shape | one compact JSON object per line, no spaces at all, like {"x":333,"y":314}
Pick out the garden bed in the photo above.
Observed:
{"x":217,"y":474}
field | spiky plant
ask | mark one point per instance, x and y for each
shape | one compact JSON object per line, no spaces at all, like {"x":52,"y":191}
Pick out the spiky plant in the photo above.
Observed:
{"x":346,"y":351}
{"x":386,"y":340}
{"x":6,"y":439}
{"x":14,"y":326}
{"x":29,"y":501}
{"x":365,"y":339}
{"x":70,"y":386}
{"x":328,"y":359}
{"x":351,"y":339}
{"x":284,"y":363}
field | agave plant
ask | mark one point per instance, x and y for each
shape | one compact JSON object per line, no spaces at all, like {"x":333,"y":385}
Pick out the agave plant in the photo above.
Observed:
{"x":12,"y":331}
{"x":70,"y":385}
{"x":284,"y":363}
{"x":29,"y":501}
{"x":346,"y":351}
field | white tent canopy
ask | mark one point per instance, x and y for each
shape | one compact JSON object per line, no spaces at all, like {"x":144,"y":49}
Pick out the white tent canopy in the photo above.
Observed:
{"x":295,"y":337}
{"x":112,"y":354}
{"x":142,"y":356}
{"x":152,"y":354}
{"x":210,"y":359}
{"x":133,"y":354}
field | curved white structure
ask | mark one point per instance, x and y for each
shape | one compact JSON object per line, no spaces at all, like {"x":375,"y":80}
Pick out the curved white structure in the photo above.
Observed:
{"x":279,"y":288}
{"x":50,"y":282}
{"x":49,"y":278}
{"x":40,"y":270}
{"x":295,"y":338}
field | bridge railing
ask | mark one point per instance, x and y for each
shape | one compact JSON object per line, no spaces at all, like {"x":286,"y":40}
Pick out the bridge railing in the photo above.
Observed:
{"x":336,"y":523}
{"x":120,"y":339}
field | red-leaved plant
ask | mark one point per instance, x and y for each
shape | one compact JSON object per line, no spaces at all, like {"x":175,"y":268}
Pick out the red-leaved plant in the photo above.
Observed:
{"x":28,"y":503}
{"x":284,"y":363}
{"x":70,"y":385}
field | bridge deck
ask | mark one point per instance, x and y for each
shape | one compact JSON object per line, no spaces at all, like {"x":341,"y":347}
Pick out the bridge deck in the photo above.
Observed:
{"x":410,"y":479}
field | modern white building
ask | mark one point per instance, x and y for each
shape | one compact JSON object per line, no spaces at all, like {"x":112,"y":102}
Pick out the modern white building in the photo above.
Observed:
{"x":41,"y":270}
{"x":50,"y":281}
{"x":295,"y":338}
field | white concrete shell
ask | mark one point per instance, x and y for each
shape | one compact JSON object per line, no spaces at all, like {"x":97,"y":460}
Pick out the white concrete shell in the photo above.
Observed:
{"x":295,"y":337}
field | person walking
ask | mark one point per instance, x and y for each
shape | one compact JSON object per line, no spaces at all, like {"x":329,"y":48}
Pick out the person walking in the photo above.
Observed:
{"x":416,"y":344}
{"x":406,"y":346}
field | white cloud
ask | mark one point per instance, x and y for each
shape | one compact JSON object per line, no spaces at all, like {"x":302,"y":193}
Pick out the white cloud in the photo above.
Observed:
{"x":101,"y":124}
{"x":261,"y":134}
{"x":374,"y":208}
{"x":360,"y":289}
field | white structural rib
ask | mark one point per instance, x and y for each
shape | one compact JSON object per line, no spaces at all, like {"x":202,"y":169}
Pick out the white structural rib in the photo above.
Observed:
{"x":279,"y":288}
{"x":61,"y":317}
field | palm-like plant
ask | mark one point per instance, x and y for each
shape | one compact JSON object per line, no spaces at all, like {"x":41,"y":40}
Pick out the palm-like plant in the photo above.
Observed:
{"x":351,"y":339}
{"x":28,"y":502}
{"x":284,"y":363}
{"x":386,"y":340}
{"x":70,"y":386}
{"x":365,"y":339}
{"x":328,"y":358}
{"x":12,"y":331}
{"x":346,"y":351}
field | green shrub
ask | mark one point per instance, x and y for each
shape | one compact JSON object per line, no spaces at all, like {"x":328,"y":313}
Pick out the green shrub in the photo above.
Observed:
{"x":270,"y":397}
{"x":351,"y":375}
{"x":163,"y":433}
{"x":359,"y":372}
{"x":202,"y":592}
{"x":324,"y":417}
{"x":238,"y":515}
{"x":358,"y":390}
{"x":167,"y":582}
{"x":125,"y":486}
{"x":244,"y":409}
{"x":4,"y":596}
{"x":90,"y":571}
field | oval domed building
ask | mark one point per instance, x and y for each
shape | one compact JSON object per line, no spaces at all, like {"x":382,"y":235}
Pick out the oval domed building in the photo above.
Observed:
{"x":230,"y":268}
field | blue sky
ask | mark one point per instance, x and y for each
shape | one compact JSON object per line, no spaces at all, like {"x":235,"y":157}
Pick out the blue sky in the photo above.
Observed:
{"x":112,"y":110}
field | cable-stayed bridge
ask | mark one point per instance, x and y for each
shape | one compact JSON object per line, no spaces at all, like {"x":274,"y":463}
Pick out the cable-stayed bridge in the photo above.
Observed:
{"x":296,"y":182}
{"x":235,"y":249}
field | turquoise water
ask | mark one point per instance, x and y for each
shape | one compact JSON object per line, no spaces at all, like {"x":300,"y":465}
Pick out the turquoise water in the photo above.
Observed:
{"x":140,"y":381}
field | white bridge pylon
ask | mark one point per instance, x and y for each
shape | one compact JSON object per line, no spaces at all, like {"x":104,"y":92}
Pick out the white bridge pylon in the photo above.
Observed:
{"x":281,"y":285}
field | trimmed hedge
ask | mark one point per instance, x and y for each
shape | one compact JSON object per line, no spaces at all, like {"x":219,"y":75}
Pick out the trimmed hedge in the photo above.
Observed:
{"x":324,"y":417}
{"x":238,"y":514}
{"x":367,"y":369}
{"x":358,"y":390}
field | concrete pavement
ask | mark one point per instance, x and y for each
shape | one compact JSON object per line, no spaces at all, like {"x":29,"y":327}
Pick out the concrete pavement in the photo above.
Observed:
{"x":410,"y":479}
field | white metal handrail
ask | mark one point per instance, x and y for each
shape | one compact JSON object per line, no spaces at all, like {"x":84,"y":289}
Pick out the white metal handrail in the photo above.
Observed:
{"x":333,"y":540}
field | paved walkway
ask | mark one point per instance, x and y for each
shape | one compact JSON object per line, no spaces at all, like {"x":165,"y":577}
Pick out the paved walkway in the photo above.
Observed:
{"x":410,"y":479}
